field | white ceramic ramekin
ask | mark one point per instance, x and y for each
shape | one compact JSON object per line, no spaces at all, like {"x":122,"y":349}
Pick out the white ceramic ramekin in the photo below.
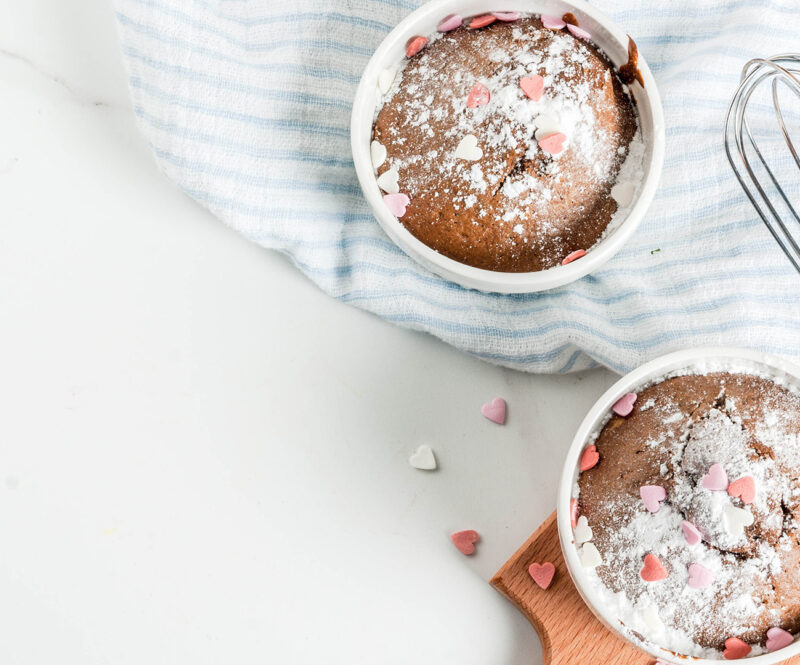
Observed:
{"x":701,"y":359}
{"x":391,"y":52}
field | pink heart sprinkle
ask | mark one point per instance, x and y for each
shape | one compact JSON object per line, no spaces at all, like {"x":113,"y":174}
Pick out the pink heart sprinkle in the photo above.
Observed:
{"x":590,"y":458}
{"x":553,"y":144}
{"x":744,"y":488}
{"x":482,"y":21}
{"x":506,"y":16}
{"x":699,"y":576}
{"x":396,"y":203}
{"x":691,"y":533}
{"x":577,"y":254}
{"x":495,"y":410}
{"x":542,"y":574}
{"x":533,"y":87}
{"x":653,"y":569}
{"x":573,"y":512}
{"x":716,"y":479}
{"x":553,"y":22}
{"x":415,"y":45}
{"x":652,"y":496}
{"x":578,"y":32}
{"x":449,"y":23}
{"x":478,"y":96}
{"x":735,"y":649}
{"x":465,"y":541}
{"x":624,"y":405}
{"x":778,"y":638}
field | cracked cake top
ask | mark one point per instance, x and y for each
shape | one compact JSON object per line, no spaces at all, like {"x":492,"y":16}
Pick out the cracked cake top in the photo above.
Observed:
{"x":502,"y":144}
{"x":689,"y":514}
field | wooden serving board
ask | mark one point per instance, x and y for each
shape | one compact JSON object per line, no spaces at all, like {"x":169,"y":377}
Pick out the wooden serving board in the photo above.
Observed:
{"x":569,"y":632}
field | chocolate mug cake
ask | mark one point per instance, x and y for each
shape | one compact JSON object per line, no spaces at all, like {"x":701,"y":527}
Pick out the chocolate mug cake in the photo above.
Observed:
{"x":686,"y":514}
{"x":507,"y":142}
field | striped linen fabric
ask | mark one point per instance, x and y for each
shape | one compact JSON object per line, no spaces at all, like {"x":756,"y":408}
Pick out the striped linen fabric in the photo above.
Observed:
{"x":246,"y":105}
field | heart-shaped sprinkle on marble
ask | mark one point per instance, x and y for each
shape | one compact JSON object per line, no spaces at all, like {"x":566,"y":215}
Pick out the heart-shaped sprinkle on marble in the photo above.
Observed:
{"x":744,"y":488}
{"x":478,"y":96}
{"x":554,"y":143}
{"x":465,"y":541}
{"x":415,"y":45}
{"x":622,"y":193}
{"x":735,"y":649}
{"x":542,"y":574}
{"x":624,"y":405}
{"x":545,"y":125}
{"x":468,"y":149}
{"x":506,"y":16}
{"x":553,"y":22}
{"x":778,"y":638}
{"x":691,"y":533}
{"x":377,"y":153}
{"x":450,"y":22}
{"x":397,"y":203}
{"x":653,"y":570}
{"x":590,"y":458}
{"x":590,"y":556}
{"x":386,"y":78}
{"x":716,"y":479}
{"x":482,"y":21}
{"x":532,"y":86}
{"x":580,"y":33}
{"x":734,"y":520}
{"x":700,"y":576}
{"x":582,"y":532}
{"x":573,"y":512}
{"x":423,"y":458}
{"x":574,"y":256}
{"x":495,"y":410}
{"x":388,"y":181}
{"x":652,"y":496}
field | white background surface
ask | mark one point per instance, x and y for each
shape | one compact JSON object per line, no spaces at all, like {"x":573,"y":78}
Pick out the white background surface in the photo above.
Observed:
{"x":203,"y":459}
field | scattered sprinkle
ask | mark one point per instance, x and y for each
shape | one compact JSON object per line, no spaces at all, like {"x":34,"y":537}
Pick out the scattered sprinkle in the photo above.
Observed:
{"x":574,"y":256}
{"x":465,"y":541}
{"x":735,"y":649}
{"x":482,"y":21}
{"x":699,"y":576}
{"x":415,"y":45}
{"x":478,"y":96}
{"x":423,"y":458}
{"x":396,"y":203}
{"x":744,"y":488}
{"x":388,"y":181}
{"x":468,"y":149}
{"x":553,"y":22}
{"x":554,"y":143}
{"x":532,"y":86}
{"x":652,"y":496}
{"x":653,"y":570}
{"x":778,"y":638}
{"x":450,"y":22}
{"x":716,"y":479}
{"x":542,"y":574}
{"x":590,"y":458}
{"x":495,"y":410}
{"x":624,"y":405}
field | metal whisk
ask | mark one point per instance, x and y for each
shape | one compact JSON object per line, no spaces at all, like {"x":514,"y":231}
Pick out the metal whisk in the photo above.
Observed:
{"x":759,"y":182}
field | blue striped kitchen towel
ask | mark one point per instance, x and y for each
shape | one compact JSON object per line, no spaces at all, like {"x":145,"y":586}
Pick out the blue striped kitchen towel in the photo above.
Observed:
{"x":246,"y":106}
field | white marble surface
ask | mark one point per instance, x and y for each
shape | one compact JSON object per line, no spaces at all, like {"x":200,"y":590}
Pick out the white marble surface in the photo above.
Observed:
{"x":203,"y":459}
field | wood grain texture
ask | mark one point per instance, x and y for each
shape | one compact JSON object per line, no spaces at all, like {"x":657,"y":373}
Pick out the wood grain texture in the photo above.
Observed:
{"x":569,"y":632}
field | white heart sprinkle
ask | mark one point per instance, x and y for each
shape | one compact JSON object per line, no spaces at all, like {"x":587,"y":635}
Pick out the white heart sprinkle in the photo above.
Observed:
{"x":423,"y":458}
{"x":468,"y":149}
{"x":377,"y":151}
{"x":388,"y":181}
{"x":545,"y":125}
{"x":651,"y":619}
{"x":583,"y":532}
{"x":622,"y":193}
{"x":385,"y":79}
{"x":590,"y":557}
{"x":735,"y":520}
